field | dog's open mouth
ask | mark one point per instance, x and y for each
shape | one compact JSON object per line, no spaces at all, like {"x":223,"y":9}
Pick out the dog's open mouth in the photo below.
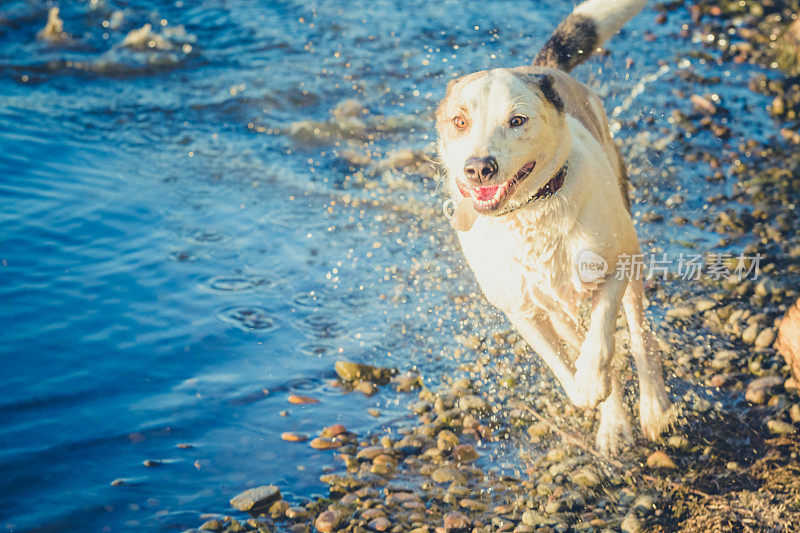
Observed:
{"x":488,"y":198}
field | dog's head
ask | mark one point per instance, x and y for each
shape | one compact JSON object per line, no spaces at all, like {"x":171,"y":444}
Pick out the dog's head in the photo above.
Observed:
{"x":498,"y":132}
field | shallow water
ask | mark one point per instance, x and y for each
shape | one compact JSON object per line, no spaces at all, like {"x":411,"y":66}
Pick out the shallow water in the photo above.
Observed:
{"x":175,"y":264}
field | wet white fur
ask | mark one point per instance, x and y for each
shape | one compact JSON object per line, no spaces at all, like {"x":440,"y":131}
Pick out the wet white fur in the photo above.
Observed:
{"x":609,"y":15}
{"x":526,"y":261}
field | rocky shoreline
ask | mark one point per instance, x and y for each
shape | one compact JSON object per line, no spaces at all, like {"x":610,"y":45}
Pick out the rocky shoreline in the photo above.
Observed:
{"x":731,"y":462}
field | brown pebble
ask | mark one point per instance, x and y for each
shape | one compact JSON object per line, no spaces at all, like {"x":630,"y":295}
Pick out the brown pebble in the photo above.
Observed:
{"x":659,"y":459}
{"x":703,"y":104}
{"x":759,"y":389}
{"x":379,"y":524}
{"x":302,"y":400}
{"x":328,"y":520}
{"x":794,"y":413}
{"x":367,"y":388}
{"x":296,"y":513}
{"x":464,"y":453}
{"x":294,"y":437}
{"x":384,"y":459}
{"x":456,"y":521}
{"x":256,"y":500}
{"x":371,"y":514}
{"x":370,"y":453}
{"x":321,"y":443}
{"x":333,"y":431}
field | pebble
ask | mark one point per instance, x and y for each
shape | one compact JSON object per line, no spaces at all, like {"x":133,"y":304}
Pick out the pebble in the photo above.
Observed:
{"x":302,"y":400}
{"x":448,"y":474}
{"x":586,"y":477}
{"x":631,"y":524}
{"x":704,"y":305}
{"x":456,"y":522}
{"x":465,"y":453}
{"x":407,"y":382}
{"x":703,"y":104}
{"x":750,"y":333}
{"x":346,"y":482}
{"x":353,"y":372}
{"x":333,"y":431}
{"x":779,"y":427}
{"x":256,"y":500}
{"x":368,"y":388}
{"x":765,"y":338}
{"x":759,"y":389}
{"x":294,"y":437}
{"x":794,"y":413}
{"x":678,"y":442}
{"x":446,"y":440}
{"x":533,"y":518}
{"x":297,"y":513}
{"x":680,"y":311}
{"x":321,"y":443}
{"x":370,"y":453}
{"x":278,"y":509}
{"x":379,"y":524}
{"x":555,"y":506}
{"x":212,"y":525}
{"x":473,"y":505}
{"x":328,"y":521}
{"x":538,"y":429}
{"x":723,"y":359}
{"x":645,"y":502}
{"x":472,"y":402}
{"x":659,"y":459}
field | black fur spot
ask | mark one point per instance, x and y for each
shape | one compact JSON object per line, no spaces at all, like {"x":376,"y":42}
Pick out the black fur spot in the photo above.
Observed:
{"x":543,"y":82}
{"x":550,"y":94}
{"x":572,"y":43}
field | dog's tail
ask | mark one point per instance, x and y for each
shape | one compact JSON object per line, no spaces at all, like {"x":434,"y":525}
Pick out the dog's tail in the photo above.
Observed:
{"x":589,"y":25}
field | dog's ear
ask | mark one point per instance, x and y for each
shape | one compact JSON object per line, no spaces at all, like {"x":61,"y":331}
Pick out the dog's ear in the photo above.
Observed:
{"x":545,"y":84}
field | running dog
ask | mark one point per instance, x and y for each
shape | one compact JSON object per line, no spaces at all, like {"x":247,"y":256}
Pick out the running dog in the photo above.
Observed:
{"x":536,"y":186}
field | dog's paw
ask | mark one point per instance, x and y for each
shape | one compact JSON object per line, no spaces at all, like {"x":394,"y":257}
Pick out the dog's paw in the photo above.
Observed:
{"x":613,"y":436}
{"x":656,"y":414}
{"x":591,"y":383}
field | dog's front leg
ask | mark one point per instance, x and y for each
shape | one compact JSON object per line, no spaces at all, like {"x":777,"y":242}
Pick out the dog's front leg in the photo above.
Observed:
{"x":593,"y":366}
{"x":538,"y":332}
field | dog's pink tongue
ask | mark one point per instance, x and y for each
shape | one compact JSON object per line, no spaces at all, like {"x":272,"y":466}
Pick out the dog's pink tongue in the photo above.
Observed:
{"x":486,"y":193}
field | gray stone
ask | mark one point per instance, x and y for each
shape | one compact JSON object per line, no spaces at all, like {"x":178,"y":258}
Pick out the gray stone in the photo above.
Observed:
{"x":256,"y":500}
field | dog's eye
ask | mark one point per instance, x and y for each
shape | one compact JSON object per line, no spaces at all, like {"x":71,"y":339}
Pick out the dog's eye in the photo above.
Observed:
{"x":460,"y":122}
{"x":517,"y":121}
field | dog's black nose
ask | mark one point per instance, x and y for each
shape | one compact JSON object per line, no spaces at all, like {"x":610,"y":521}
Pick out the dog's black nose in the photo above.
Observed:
{"x":480,"y":169}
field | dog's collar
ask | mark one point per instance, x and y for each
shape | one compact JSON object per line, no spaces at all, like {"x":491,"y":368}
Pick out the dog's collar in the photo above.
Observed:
{"x":547,"y":190}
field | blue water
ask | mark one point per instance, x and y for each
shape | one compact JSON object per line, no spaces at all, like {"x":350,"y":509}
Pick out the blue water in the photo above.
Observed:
{"x":173,"y":264}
